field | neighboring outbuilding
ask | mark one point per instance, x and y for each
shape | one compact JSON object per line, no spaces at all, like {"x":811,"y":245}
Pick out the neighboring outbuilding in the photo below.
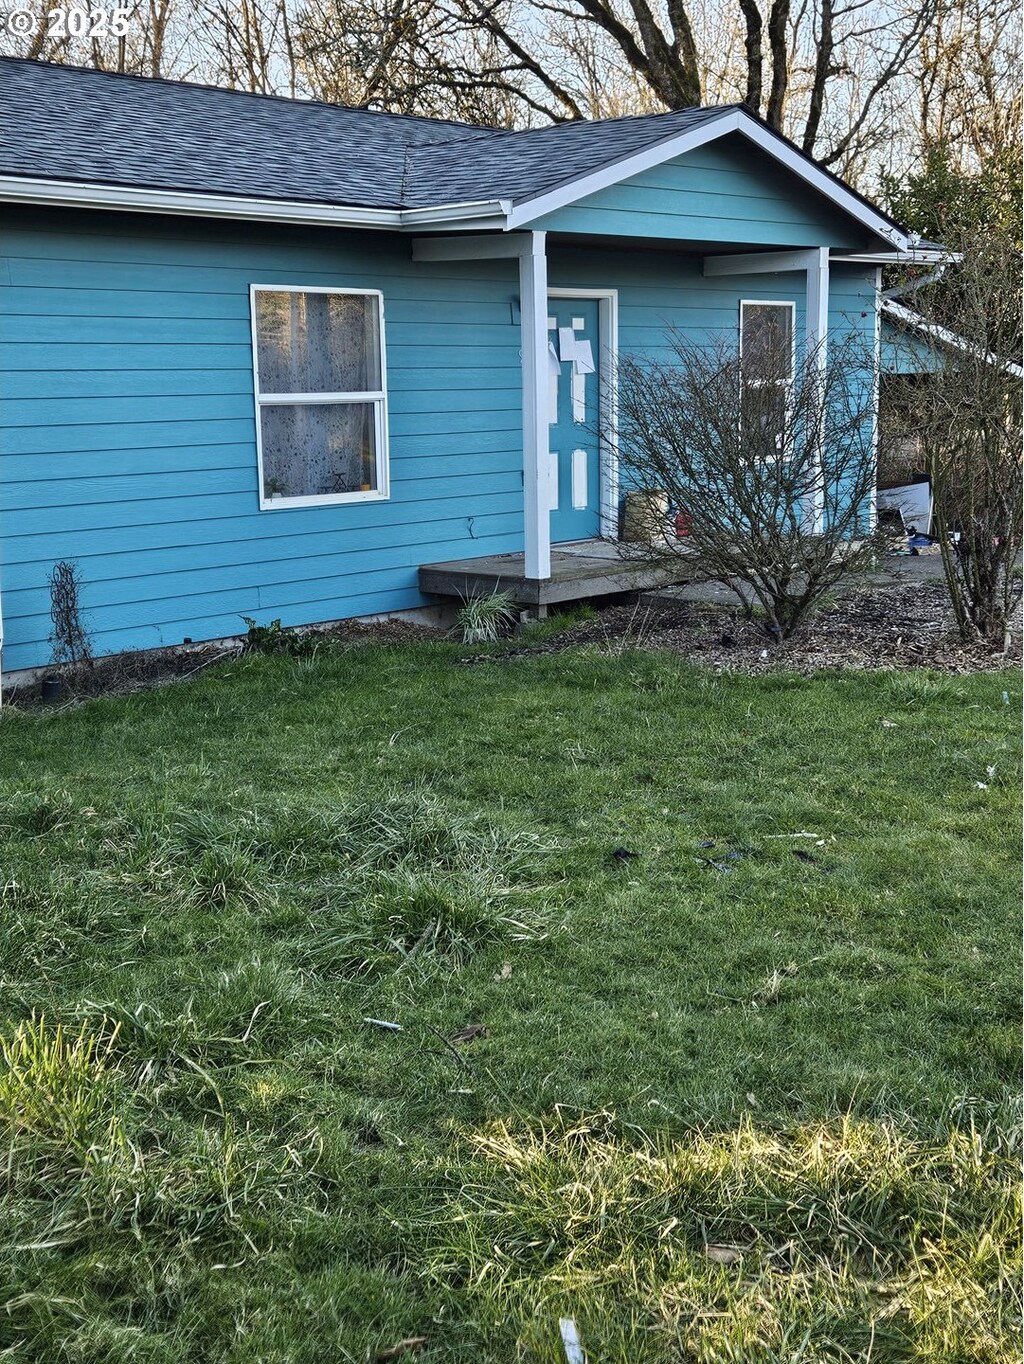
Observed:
{"x":269,"y":358}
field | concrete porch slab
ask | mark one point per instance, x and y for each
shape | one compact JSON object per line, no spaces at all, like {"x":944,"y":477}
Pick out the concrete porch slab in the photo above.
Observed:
{"x":587,"y":568}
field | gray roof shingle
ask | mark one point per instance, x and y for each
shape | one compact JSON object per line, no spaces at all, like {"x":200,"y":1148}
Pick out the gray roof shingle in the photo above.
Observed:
{"x":520,"y":165}
{"x":69,"y":123}
{"x":65,"y":123}
{"x":77,"y":124}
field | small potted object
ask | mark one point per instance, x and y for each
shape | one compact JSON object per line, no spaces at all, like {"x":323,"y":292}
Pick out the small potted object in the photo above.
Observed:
{"x":52,"y":689}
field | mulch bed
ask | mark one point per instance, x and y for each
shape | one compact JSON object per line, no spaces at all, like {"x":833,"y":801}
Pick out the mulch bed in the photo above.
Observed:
{"x":884,"y":626}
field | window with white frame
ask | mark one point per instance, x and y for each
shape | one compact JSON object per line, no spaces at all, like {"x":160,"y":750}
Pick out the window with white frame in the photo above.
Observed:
{"x":767,"y":364}
{"x":320,"y":398}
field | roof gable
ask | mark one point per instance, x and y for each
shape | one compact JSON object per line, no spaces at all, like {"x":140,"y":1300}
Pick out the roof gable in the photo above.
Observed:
{"x":735,"y":119}
{"x":725,"y":192}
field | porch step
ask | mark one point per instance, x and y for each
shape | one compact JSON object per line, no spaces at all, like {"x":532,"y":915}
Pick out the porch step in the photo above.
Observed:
{"x":590,"y":568}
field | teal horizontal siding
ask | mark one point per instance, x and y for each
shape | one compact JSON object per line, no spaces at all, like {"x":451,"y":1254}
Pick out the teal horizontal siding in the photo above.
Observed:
{"x":322,"y":579}
{"x":391,"y":592}
{"x":49,"y":468}
{"x":227,"y":405}
{"x":128,"y":433}
{"x":727,"y":193}
{"x":376,"y":517}
{"x":171,"y":434}
{"x":99,"y":492}
{"x":115,"y":573}
{"x":67,"y":356}
{"x":40,"y":385}
{"x":190,"y":539}
{"x":127,"y":429}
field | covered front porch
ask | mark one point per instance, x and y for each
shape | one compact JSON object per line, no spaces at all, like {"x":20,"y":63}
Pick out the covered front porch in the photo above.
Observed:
{"x":589,"y":568}
{"x":559,"y":563}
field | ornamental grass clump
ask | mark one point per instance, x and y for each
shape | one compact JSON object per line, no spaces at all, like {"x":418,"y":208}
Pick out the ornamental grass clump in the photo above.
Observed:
{"x":483,"y":620}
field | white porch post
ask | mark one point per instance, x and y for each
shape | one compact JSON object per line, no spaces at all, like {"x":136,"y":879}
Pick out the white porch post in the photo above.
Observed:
{"x":817,"y":303}
{"x":533,"y":302}
{"x":817,"y":344}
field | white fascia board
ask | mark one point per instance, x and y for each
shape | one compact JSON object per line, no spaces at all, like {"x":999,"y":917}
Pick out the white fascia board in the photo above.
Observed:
{"x":460,"y":215}
{"x":735,"y":121}
{"x":936,"y":332}
{"x":18,"y":189}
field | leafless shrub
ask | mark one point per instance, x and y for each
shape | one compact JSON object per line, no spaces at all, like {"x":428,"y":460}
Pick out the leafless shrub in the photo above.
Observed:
{"x":770,"y":459}
{"x":69,"y":637}
{"x":965,"y":407}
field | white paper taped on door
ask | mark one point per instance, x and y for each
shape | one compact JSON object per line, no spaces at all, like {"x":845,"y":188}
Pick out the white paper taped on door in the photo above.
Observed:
{"x":554,"y":370}
{"x":583,"y":360}
{"x":579,"y":396}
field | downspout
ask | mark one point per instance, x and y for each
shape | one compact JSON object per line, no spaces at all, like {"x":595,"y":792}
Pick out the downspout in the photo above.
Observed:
{"x":902,"y":290}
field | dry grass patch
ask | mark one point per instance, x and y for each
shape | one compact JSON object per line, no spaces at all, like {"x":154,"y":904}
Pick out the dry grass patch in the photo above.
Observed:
{"x":850,"y":1240}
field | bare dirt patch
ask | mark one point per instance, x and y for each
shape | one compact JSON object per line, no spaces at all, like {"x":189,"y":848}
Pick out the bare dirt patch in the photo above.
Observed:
{"x":885,"y":625}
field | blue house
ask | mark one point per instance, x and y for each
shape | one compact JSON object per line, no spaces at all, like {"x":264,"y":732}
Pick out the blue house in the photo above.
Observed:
{"x":272,"y":358}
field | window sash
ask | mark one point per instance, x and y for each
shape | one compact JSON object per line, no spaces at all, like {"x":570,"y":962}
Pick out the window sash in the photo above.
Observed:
{"x":784,"y":382}
{"x":789,"y":306}
{"x":370,"y":395}
{"x":377,"y":397}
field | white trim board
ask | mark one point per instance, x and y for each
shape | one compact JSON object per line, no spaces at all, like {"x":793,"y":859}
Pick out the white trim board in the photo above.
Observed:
{"x":378,"y":397}
{"x":914,"y":255}
{"x":759,"y":262}
{"x":16,"y":189}
{"x":735,"y":121}
{"x":533,"y":340}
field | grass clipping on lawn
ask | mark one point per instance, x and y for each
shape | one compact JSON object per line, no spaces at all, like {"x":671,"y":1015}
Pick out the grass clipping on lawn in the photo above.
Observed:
{"x":840,"y":1241}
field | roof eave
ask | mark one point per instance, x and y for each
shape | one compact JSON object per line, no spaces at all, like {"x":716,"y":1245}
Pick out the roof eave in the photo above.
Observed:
{"x":29,"y":190}
{"x":912,"y":255}
{"x":943,"y":336}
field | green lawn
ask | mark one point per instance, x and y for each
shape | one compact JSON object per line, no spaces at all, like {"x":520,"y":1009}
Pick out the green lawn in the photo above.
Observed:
{"x":808,"y":1066}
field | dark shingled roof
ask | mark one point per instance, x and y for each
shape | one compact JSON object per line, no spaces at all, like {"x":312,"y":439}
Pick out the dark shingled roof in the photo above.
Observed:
{"x":517,"y":166}
{"x":65,"y":123}
{"x":68,"y":123}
